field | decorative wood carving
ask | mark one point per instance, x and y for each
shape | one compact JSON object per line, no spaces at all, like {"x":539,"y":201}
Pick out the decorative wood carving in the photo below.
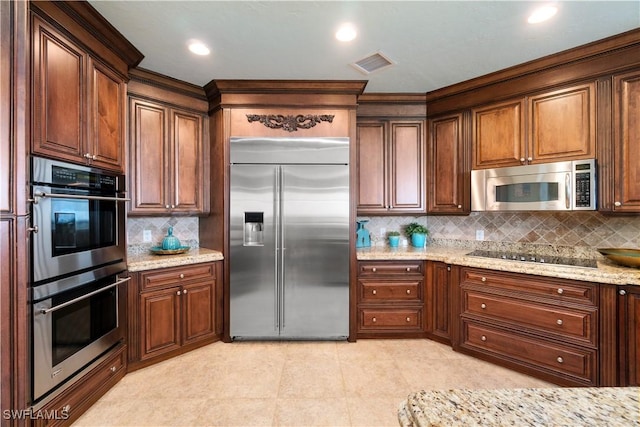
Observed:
{"x":289,"y":123}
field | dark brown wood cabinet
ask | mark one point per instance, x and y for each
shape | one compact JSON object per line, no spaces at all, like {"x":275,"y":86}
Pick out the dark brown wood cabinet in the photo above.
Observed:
{"x":448,"y":165}
{"x":391,"y":299}
{"x":626,"y":142}
{"x":78,"y":102}
{"x":438,"y":301}
{"x":629,"y":332}
{"x":539,"y":128}
{"x":546,"y":327}
{"x":175,"y":310}
{"x":167,"y":153}
{"x":390,"y":168}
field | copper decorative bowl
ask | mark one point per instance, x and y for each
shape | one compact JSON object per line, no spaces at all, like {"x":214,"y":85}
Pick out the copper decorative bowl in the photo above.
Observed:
{"x":622,"y":256}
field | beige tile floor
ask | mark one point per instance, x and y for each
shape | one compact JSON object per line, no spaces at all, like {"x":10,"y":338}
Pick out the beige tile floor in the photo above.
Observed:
{"x":292,"y":384}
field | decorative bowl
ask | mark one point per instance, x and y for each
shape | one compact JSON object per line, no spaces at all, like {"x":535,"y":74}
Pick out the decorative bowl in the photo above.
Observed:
{"x":622,"y":256}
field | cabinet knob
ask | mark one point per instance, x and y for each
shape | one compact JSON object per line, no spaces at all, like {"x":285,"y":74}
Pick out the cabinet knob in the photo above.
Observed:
{"x":459,"y":206}
{"x":521,"y":159}
{"x":560,"y":359}
{"x":483,"y":306}
{"x":166,"y":206}
{"x":173,"y":206}
{"x":448,"y":268}
{"x":483,"y":338}
{"x":178,"y":293}
{"x":408,"y":291}
{"x":622,"y":292}
{"x":529,"y":159}
{"x":374,"y":269}
{"x":559,"y":321}
{"x":408,"y":319}
{"x":484,"y":279}
{"x":408,"y":268}
{"x":87,"y":155}
{"x":617,"y":204}
{"x":184,"y":291}
{"x":181,"y":276}
{"x":113,"y":369}
{"x":94,"y":157}
{"x":374,"y":320}
{"x":560,"y":291}
{"x":374,"y":292}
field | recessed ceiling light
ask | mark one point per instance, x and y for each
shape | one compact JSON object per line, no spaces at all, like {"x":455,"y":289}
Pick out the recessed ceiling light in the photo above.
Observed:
{"x":542,"y":14}
{"x":346,"y":33}
{"x":198,"y":47}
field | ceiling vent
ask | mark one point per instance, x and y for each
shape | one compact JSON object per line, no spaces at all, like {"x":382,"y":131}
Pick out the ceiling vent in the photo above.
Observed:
{"x":372,"y":63}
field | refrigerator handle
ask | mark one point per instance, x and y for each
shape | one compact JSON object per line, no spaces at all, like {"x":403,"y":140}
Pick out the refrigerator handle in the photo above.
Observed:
{"x":283,"y":248}
{"x":276,"y":220}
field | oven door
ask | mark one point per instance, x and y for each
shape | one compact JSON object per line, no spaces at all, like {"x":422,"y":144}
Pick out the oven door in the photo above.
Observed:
{"x":76,"y":230}
{"x":72,"y":328}
{"x":539,"y":192}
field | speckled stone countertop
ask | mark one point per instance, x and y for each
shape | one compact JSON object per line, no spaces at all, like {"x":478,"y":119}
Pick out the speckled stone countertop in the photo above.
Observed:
{"x":148,"y":261}
{"x":607,"y":272}
{"x":605,"y":406}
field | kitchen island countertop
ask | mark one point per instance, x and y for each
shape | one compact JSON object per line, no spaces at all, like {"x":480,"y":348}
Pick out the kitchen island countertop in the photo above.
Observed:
{"x":607,"y":271}
{"x":584,"y":406}
{"x":148,"y":261}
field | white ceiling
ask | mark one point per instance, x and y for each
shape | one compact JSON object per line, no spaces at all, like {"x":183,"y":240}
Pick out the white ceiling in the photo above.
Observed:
{"x":434,"y":43}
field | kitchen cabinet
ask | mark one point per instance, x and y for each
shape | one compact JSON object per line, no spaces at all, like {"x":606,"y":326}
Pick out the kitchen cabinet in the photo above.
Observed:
{"x":626,"y":140}
{"x":390,"y":167}
{"x":629,"y":332}
{"x":390,"y":299}
{"x":78,"y":102}
{"x":545,"y":127}
{"x":438,"y":301}
{"x":167,"y":160}
{"x":175,"y":310}
{"x":448,"y":167}
{"x":546,"y":327}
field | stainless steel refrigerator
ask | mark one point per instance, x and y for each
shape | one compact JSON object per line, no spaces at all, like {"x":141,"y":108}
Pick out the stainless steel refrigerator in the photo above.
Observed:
{"x":289,"y":238}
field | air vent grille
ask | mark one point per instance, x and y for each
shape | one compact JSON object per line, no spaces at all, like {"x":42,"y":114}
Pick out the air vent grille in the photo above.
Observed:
{"x":373,"y":63}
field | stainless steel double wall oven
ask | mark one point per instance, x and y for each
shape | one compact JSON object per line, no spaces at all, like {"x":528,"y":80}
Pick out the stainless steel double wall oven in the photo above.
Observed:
{"x":78,"y":260}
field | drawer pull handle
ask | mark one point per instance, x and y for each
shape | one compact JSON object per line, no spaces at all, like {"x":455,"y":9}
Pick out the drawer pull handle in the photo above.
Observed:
{"x":374,"y":320}
{"x":559,"y":321}
{"x":560,"y":359}
{"x":408,"y":319}
{"x":483,"y":338}
{"x":560,"y":291}
{"x":181,"y":276}
{"x":408,"y":268}
{"x":483,"y":306}
{"x":408,"y":291}
{"x":374,"y":269}
{"x":484,"y":279}
{"x":113,"y":369}
{"x":374,"y":292}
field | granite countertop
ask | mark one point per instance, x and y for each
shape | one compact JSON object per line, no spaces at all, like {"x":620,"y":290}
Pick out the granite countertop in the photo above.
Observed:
{"x":606,"y":272}
{"x":584,"y":406}
{"x":148,"y":261}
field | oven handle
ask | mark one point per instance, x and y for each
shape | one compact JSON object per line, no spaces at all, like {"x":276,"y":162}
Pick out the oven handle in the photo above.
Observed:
{"x":90,"y":294}
{"x":75,"y":196}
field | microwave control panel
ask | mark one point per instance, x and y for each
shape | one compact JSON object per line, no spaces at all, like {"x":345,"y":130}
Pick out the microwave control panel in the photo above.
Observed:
{"x":584,"y":174}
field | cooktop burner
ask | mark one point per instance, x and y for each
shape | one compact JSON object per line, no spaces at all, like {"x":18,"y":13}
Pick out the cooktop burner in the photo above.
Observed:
{"x":513,"y":256}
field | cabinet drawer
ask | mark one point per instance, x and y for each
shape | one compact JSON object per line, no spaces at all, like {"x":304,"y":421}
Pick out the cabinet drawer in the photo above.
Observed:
{"x":555,"y":289}
{"x":397,"y":318}
{"x":573,"y":324}
{"x":381,"y":291}
{"x":577,"y":363}
{"x":388,"y":267}
{"x":176,"y":275}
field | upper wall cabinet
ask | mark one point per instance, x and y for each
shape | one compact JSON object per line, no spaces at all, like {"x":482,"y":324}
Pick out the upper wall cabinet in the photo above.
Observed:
{"x":390,"y":167}
{"x":167,"y":150}
{"x":546,"y":127}
{"x":78,"y":102}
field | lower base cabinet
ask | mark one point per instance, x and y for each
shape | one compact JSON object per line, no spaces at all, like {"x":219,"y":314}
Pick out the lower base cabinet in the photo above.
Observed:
{"x":174,"y":310}
{"x":629,"y":331}
{"x":438,"y":298}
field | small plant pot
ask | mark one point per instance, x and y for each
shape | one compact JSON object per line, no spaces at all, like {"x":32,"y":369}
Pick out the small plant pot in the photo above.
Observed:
{"x":394,"y":241}
{"x":418,"y":240}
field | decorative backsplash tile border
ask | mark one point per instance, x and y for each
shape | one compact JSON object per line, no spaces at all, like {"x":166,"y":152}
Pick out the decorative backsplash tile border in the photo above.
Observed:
{"x":184,"y":228}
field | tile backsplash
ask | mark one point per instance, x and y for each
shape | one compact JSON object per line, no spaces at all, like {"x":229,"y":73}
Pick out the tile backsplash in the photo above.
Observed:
{"x":588,"y":229}
{"x":184,"y":228}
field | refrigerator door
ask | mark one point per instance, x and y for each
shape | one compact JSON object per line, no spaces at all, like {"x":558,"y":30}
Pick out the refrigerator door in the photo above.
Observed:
{"x":253,"y":292}
{"x":315,"y":236}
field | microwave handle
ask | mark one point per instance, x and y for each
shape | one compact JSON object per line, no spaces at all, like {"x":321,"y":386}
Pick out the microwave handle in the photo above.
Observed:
{"x":90,"y":294}
{"x":567,"y":186}
{"x":75,"y":196}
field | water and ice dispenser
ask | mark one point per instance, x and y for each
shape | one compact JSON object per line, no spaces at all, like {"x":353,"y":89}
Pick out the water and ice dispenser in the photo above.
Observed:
{"x":253,"y":229}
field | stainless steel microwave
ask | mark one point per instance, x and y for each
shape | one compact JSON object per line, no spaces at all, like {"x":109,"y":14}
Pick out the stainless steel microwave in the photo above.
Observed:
{"x":558,"y":186}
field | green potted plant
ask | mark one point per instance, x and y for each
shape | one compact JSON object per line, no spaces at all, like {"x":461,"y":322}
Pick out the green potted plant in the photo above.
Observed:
{"x":417,"y":233}
{"x":394,"y":238}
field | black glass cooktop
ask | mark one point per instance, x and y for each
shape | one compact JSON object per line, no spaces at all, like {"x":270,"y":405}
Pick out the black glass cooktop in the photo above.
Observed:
{"x":514,"y":256}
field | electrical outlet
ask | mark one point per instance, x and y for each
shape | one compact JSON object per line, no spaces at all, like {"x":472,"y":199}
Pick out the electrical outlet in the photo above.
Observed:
{"x":479,"y":234}
{"x":383,"y":232}
{"x":146,"y":236}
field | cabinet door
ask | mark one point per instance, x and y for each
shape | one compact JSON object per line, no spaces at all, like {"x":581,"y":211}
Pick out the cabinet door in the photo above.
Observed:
{"x":626,"y":133}
{"x":59,"y":93}
{"x":562,"y":124}
{"x":438,"y":299}
{"x":631,"y":303}
{"x":446,"y":167}
{"x":371,"y":167}
{"x":186,"y":162}
{"x":498,"y":135}
{"x":198,"y":311}
{"x":148,"y":163}
{"x":160,"y":322}
{"x":106,"y":132}
{"x":406,"y":170}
